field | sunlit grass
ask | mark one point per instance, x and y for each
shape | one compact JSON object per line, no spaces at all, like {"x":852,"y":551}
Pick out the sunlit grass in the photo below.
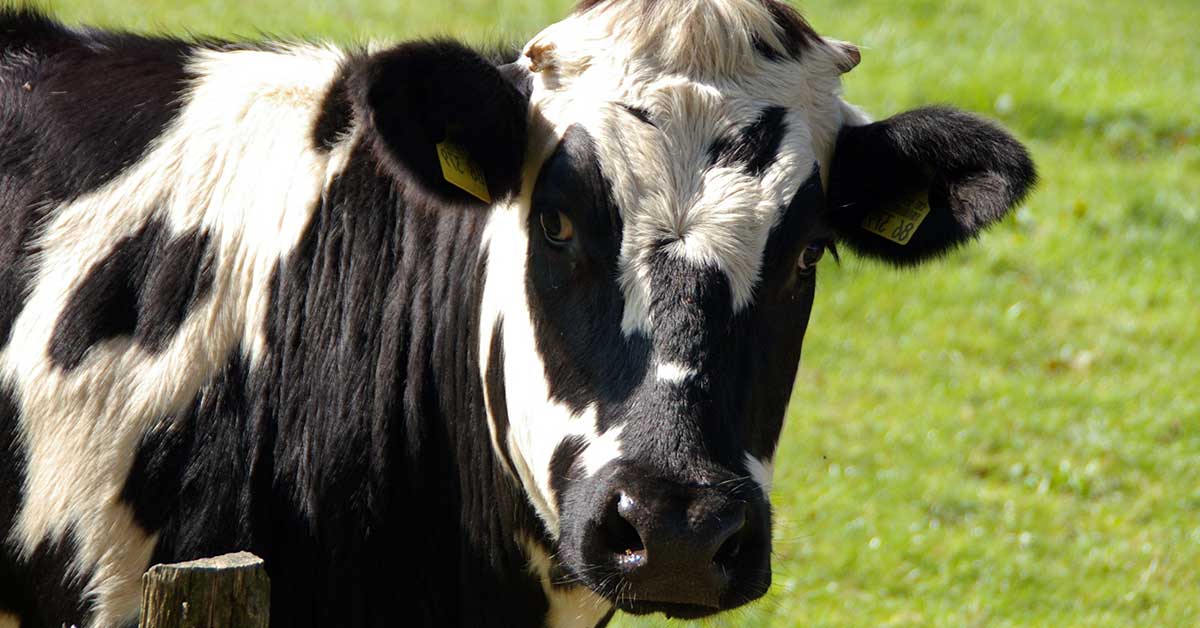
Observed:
{"x":1008,"y":437}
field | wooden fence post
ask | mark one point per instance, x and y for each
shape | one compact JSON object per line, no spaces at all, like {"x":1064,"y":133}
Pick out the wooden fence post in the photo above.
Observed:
{"x":230,"y":591}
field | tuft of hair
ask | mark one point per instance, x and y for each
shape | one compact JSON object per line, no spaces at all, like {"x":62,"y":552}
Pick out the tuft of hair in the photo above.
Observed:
{"x":719,"y":38}
{"x":24,"y":27}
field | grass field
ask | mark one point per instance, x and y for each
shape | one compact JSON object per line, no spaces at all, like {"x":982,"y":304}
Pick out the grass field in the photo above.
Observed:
{"x":1011,"y":436}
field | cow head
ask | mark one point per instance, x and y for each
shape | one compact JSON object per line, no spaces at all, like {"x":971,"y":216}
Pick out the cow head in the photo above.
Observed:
{"x":664,"y":179}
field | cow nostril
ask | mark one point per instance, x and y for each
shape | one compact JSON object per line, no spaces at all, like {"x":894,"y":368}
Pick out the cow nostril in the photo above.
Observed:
{"x":729,"y":550}
{"x":620,"y":537}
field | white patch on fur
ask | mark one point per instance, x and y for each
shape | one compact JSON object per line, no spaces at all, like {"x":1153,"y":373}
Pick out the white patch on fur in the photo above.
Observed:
{"x":762,"y":471}
{"x":570,"y":607}
{"x":672,"y":373}
{"x":237,"y":162}
{"x":696,"y":71}
{"x":602,"y":450}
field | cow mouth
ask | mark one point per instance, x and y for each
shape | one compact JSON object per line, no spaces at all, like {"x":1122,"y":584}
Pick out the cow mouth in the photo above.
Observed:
{"x":681,"y":610}
{"x":670,"y":609}
{"x":609,"y":583}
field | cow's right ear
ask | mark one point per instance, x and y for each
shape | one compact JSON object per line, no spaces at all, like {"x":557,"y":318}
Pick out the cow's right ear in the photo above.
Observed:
{"x":919,"y":184}
{"x":445,"y":119}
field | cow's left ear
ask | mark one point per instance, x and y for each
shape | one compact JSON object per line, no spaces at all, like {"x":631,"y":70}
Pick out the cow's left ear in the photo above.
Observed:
{"x":916,"y":185}
{"x":444,"y":118}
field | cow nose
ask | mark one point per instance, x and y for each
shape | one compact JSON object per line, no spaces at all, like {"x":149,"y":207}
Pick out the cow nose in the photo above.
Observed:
{"x":676,"y":551}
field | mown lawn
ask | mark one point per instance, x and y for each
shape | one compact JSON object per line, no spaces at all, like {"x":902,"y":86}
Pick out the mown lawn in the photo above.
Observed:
{"x":1011,"y":436}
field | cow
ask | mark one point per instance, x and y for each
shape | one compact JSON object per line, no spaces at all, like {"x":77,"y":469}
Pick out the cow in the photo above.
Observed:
{"x":447,"y":336}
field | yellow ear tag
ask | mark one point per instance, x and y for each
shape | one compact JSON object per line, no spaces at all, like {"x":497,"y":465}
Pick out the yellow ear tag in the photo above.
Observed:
{"x":898,"y":225}
{"x":458,"y":168}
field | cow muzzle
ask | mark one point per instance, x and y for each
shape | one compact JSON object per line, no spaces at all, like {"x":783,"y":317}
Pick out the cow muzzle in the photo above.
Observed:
{"x":650,"y":544}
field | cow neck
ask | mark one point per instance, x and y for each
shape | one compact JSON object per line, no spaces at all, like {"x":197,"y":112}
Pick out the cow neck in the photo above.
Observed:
{"x":374,"y":337}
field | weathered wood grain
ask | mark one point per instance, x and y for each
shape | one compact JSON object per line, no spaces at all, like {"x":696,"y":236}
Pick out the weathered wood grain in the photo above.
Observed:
{"x":231,"y":591}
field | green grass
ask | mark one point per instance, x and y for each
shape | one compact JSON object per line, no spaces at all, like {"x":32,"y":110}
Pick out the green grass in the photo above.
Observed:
{"x":1008,"y":437}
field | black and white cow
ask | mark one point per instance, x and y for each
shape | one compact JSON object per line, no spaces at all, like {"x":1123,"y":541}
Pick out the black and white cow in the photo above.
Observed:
{"x":252,"y":297}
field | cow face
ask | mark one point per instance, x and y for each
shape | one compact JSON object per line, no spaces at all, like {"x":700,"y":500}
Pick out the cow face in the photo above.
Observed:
{"x":664,"y":179}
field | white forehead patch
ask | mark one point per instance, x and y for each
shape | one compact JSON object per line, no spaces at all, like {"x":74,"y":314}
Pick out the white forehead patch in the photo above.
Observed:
{"x":699,"y":74}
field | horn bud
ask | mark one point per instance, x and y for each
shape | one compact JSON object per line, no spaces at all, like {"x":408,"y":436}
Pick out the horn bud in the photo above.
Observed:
{"x":847,"y":56}
{"x":541,"y":56}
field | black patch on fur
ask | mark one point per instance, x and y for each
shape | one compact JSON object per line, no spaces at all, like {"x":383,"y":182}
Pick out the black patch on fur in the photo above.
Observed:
{"x":755,"y":147}
{"x":778,"y":319}
{"x":336,"y":117}
{"x":795,"y":31}
{"x":44,"y":590}
{"x":640,"y":114}
{"x":562,"y":465}
{"x":417,"y":95}
{"x":967,"y":170}
{"x":180,"y":278}
{"x":170,"y":486}
{"x":144,"y":288}
{"x":12,"y":470}
{"x":77,"y":108}
{"x":82,"y":106}
{"x":497,"y":394}
{"x":686,"y":335}
{"x":105,"y":303}
{"x":576,"y":304}
{"x":17,"y":219}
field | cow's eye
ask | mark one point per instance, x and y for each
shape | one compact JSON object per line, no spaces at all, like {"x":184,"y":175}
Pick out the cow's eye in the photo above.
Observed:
{"x":558,"y":228}
{"x":810,"y":258}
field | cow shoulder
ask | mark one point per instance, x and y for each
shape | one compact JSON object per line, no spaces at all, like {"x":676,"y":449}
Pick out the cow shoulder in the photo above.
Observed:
{"x":79,"y":108}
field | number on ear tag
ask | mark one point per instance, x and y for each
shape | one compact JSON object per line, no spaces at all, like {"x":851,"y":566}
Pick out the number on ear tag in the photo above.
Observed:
{"x":897,"y":226}
{"x":459,"y":169}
